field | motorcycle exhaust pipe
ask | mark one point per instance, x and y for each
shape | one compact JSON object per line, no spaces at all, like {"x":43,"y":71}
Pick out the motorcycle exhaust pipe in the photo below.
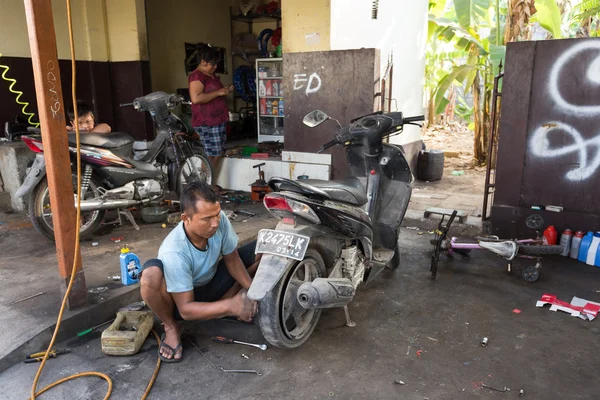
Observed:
{"x":326,"y":293}
{"x":93,"y":205}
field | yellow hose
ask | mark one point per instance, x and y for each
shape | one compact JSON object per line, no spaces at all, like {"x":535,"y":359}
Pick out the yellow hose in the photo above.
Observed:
{"x":34,"y":394}
{"x":13,"y":82}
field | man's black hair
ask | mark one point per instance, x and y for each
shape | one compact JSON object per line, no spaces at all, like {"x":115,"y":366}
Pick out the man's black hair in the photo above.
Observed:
{"x":196,"y":190}
{"x":209,"y":54}
{"x":83,"y":109}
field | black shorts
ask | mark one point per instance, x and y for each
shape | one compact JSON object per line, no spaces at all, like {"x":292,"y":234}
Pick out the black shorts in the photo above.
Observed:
{"x":220,"y":283}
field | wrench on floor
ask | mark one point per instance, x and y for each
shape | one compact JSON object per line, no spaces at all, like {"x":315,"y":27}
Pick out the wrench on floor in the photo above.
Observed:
{"x":242,"y":371}
{"x":496,"y":389}
{"x":223,"y":339}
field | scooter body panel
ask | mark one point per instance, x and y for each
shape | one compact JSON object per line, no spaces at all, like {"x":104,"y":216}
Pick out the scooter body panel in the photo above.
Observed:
{"x":36,"y":173}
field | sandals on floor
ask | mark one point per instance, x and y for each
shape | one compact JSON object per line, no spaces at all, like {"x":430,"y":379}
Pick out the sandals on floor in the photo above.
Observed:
{"x":174,"y":350}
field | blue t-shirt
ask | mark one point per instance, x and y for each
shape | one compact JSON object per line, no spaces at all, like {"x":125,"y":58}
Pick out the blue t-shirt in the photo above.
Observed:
{"x":186,"y":267}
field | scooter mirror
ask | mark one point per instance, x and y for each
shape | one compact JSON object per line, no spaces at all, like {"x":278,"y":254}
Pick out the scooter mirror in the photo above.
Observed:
{"x":315,"y":118}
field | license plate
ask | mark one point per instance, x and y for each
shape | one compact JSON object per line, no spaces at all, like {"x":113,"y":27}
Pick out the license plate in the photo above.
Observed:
{"x":284,"y":244}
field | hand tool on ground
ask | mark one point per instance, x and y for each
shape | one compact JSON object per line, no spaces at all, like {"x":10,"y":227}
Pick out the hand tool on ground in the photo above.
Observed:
{"x":27,"y":298}
{"x":223,"y":339}
{"x":200,"y":351}
{"x":242,"y":371}
{"x":39,"y":356}
{"x":93,"y":328}
{"x":505,"y":389}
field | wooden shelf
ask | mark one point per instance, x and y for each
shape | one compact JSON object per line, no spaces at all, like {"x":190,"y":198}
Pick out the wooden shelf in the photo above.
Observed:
{"x":271,"y":78}
{"x":272,"y":116}
{"x":270,"y":97}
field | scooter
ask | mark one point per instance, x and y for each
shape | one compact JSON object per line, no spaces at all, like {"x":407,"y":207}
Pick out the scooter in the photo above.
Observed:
{"x":332,"y":235}
{"x":113,"y":177}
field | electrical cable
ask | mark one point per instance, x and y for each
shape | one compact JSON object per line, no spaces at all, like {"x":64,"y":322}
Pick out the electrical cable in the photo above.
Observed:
{"x":34,"y":394}
{"x":13,"y":82}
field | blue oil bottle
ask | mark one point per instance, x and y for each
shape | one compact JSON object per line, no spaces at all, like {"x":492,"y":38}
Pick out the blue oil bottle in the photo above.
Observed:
{"x":586,"y":242}
{"x":130,"y":267}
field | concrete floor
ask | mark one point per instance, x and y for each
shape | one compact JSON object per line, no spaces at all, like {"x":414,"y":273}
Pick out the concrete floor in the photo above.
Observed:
{"x":425,"y":333}
{"x":28,"y":266}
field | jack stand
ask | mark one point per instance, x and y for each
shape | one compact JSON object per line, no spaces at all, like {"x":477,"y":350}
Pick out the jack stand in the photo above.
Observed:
{"x":129,"y":216}
{"x":349,"y":322}
{"x":259,"y":187}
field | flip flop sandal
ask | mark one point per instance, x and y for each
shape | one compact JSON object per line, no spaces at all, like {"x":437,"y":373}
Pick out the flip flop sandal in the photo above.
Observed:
{"x":174,"y":350}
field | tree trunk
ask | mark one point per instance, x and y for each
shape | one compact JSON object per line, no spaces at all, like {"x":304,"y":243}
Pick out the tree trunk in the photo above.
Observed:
{"x":517,"y":20}
{"x":478,"y":145}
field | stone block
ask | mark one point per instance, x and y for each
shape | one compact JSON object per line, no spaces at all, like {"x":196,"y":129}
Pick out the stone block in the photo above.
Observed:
{"x":14,"y":159}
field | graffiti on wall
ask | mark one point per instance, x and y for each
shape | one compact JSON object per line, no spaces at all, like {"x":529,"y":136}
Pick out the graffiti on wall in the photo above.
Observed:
{"x":312,"y":83}
{"x":587,"y":150}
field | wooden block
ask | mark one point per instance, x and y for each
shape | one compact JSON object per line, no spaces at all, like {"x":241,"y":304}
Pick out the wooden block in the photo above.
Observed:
{"x":461,"y":215}
{"x":127,"y":333}
{"x":260,"y":155}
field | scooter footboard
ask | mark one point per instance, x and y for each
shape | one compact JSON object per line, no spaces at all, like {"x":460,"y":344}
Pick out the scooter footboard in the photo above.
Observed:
{"x":269,"y":272}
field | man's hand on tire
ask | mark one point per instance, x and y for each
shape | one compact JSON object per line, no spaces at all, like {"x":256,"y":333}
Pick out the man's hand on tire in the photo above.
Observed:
{"x":242,"y":307}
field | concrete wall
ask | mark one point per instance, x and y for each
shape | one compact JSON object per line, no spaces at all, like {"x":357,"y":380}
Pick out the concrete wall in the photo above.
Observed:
{"x":307,"y":25}
{"x":400,"y":31}
{"x":191,"y":21}
{"x":111,"y":49}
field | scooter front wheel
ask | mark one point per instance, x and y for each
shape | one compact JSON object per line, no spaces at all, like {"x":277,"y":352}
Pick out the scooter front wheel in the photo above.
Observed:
{"x":282,"y":320}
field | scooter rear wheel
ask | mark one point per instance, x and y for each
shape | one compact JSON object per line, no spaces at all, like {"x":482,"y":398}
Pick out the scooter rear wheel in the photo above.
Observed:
{"x":282,"y":320}
{"x":40,"y":211}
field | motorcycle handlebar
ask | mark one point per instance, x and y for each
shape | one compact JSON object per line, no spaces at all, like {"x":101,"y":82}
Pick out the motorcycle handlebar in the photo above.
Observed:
{"x":328,"y":145}
{"x":125,"y":104}
{"x":418,"y":118}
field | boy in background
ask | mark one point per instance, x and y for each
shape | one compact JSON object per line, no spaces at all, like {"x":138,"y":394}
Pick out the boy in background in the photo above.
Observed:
{"x":87,"y":121}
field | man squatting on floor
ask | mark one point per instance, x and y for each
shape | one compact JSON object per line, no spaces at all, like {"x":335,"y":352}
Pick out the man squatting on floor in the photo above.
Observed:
{"x":187,"y":280}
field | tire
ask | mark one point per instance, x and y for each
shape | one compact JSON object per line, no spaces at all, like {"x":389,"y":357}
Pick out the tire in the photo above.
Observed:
{"x":530,"y":274}
{"x":270,"y":318}
{"x":39,"y":201}
{"x":539,"y":250}
{"x":196,"y":162}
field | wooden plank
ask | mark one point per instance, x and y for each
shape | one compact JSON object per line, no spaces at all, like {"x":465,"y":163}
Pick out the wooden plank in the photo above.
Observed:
{"x":44,"y":57}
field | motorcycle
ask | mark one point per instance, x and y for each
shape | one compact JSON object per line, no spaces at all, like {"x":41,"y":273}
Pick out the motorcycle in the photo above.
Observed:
{"x":114,"y":175}
{"x":332,"y":235}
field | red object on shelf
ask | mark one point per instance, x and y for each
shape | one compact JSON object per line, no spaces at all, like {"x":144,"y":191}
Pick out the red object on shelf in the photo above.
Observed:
{"x":550,"y":236}
{"x":260,"y":155}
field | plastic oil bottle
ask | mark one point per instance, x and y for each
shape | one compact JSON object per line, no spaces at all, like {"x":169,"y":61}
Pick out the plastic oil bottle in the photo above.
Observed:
{"x":584,"y":247}
{"x":130,"y":267}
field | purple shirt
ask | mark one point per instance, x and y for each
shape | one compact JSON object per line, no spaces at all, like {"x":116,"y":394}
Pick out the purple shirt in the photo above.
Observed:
{"x":214,"y":112}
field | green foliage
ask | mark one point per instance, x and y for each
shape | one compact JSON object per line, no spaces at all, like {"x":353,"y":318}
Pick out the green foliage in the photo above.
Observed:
{"x":471,"y":13}
{"x":549,"y":17}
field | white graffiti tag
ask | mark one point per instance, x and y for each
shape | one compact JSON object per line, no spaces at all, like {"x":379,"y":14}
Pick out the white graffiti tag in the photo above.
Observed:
{"x":314,"y":82}
{"x":587,"y":150}
{"x":540,"y":147}
{"x":592,"y":76}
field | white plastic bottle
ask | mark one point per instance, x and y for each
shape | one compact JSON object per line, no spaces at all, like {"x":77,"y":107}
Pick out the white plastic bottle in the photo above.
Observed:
{"x":565,"y":242}
{"x":575,"y":243}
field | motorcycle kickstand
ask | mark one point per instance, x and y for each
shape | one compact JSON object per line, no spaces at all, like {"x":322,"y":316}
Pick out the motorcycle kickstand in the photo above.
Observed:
{"x":349,"y":322}
{"x":129,"y":216}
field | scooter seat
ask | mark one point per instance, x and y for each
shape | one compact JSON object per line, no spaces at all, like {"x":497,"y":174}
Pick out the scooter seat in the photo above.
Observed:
{"x":507,"y":249}
{"x":110,"y":141}
{"x":348,"y":190}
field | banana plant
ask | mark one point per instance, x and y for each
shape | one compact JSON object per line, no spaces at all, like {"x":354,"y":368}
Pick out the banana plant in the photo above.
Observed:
{"x":476,"y":29}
